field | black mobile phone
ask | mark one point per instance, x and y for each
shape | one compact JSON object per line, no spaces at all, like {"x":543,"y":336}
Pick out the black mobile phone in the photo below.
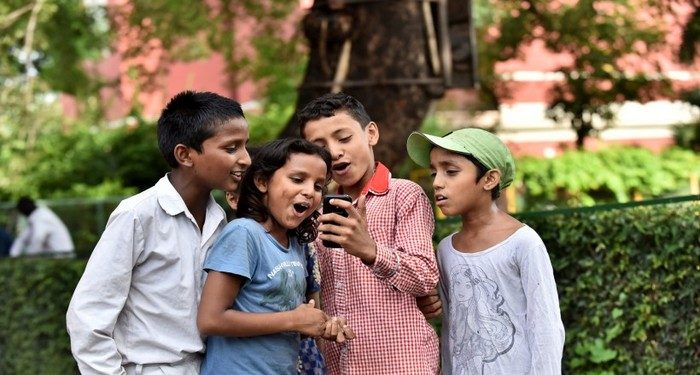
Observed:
{"x":329,"y":208}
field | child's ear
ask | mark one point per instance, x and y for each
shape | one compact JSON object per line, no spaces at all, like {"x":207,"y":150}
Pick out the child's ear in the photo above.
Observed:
{"x":260,"y":183}
{"x":372,"y":133}
{"x":232,"y":200}
{"x":182,"y":155}
{"x":492,"y":179}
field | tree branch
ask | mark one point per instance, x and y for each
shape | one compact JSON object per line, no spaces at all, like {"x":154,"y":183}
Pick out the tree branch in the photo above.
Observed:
{"x":28,"y":66}
{"x":12,"y":17}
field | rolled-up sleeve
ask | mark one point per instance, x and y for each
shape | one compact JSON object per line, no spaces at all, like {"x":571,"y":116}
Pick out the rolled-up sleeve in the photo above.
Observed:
{"x":410,"y":264}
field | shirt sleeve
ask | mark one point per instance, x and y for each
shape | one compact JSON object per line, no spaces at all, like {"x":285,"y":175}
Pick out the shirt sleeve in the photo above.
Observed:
{"x":544,"y":328}
{"x":19,"y":245}
{"x":234,"y":252}
{"x":410,"y":265}
{"x":101,"y":294}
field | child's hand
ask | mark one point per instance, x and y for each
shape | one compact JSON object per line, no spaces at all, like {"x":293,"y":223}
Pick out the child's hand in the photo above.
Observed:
{"x":430,"y":305}
{"x":337,"y":330}
{"x":349,"y":232}
{"x":309,"y":320}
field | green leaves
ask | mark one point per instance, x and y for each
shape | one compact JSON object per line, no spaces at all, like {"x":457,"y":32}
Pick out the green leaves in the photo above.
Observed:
{"x":595,"y":38}
{"x":618,"y":174}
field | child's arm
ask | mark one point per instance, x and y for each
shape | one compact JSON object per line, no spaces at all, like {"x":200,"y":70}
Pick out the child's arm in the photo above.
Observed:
{"x":19,"y":245}
{"x":544,"y":328}
{"x":215,"y":317}
{"x":409,"y":265}
{"x":101,"y":294}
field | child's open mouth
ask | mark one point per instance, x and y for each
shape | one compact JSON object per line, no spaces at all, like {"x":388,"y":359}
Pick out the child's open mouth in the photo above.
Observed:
{"x":340,"y":167}
{"x":300,"y":208}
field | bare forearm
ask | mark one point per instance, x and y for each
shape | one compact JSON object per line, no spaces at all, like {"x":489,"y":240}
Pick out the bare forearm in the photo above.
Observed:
{"x":244,"y":324}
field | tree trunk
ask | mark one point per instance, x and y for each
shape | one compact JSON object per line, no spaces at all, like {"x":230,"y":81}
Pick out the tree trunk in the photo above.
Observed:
{"x":389,"y":68}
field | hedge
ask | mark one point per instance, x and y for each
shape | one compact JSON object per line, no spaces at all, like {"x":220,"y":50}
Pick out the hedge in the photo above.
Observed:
{"x":33,"y":301}
{"x":628,"y":280}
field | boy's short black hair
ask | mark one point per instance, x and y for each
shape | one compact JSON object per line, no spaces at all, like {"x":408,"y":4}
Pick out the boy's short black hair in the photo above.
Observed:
{"x":329,"y":105}
{"x":26,"y":205}
{"x":192,"y":117}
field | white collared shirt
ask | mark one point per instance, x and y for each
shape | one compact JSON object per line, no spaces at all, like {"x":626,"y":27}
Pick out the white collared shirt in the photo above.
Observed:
{"x":136,"y":303}
{"x":45,"y":233}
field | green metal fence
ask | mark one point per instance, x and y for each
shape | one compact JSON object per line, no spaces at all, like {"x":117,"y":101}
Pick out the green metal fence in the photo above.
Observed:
{"x":598,"y":208}
{"x":86,"y":218}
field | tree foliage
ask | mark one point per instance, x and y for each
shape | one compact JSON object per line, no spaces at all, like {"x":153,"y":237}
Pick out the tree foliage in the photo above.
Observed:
{"x":597,"y":35}
{"x":221,"y":26}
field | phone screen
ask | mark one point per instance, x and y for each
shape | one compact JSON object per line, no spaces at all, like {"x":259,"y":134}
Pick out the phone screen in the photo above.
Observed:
{"x":329,"y":208}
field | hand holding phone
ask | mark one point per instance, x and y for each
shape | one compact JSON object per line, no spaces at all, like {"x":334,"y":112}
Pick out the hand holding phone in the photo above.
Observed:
{"x":329,"y":208}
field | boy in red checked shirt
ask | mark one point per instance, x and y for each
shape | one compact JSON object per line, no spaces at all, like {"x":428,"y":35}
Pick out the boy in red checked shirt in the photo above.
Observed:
{"x":387,"y":257}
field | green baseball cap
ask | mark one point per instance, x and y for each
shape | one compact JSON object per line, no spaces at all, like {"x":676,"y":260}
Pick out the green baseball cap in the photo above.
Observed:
{"x":484,"y":146}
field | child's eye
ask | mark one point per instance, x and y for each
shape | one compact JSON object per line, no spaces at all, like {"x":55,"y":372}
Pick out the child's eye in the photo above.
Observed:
{"x":433,"y":174}
{"x":346,"y":139}
{"x":296,"y":180}
{"x":231,"y":150}
{"x":318,"y":187}
{"x":451,"y":172}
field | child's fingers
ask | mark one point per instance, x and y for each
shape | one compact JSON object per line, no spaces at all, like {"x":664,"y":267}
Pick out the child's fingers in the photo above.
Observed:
{"x":327,"y":331}
{"x":334,"y":325}
{"x":340,"y":337}
{"x":348,"y":332}
{"x":331,"y":329}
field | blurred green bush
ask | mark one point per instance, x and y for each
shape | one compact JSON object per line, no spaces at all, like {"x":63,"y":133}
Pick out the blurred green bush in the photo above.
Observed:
{"x":35,"y":294}
{"x":616,"y":174}
{"x":87,"y":162}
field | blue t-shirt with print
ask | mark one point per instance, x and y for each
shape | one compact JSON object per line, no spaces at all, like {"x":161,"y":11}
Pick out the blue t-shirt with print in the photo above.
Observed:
{"x":275,"y":280}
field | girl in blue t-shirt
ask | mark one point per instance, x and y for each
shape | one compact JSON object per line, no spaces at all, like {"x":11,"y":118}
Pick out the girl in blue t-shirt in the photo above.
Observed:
{"x":253,"y":304}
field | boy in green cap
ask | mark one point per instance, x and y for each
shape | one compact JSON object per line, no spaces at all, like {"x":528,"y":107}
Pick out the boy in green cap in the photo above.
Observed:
{"x":500,"y":303}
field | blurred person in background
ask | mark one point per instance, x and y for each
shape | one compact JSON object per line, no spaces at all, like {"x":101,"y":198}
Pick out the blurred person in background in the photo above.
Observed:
{"x":44,"y":234}
{"x":5,"y":243}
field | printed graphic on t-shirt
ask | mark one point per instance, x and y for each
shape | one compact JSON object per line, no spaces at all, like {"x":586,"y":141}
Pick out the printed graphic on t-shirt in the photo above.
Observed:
{"x":480,"y":331}
{"x":289,"y":287}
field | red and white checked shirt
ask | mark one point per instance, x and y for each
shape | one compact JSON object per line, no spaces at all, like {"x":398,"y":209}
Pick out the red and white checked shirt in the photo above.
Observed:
{"x":379,"y":300}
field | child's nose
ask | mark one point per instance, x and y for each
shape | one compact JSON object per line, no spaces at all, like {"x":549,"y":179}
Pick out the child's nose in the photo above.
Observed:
{"x":336,"y":151}
{"x":308,"y":190}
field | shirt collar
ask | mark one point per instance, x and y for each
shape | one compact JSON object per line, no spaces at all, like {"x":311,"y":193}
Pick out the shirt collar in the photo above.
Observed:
{"x":171,"y":201}
{"x":379,"y":183}
{"x":168,"y":198}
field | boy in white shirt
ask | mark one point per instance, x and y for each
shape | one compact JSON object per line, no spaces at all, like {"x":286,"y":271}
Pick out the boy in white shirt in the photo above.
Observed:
{"x":134,"y":310}
{"x":500,"y":303}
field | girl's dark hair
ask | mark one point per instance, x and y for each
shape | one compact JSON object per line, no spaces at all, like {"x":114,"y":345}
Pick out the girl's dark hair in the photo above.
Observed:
{"x":481,"y":170}
{"x":268,"y":159}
